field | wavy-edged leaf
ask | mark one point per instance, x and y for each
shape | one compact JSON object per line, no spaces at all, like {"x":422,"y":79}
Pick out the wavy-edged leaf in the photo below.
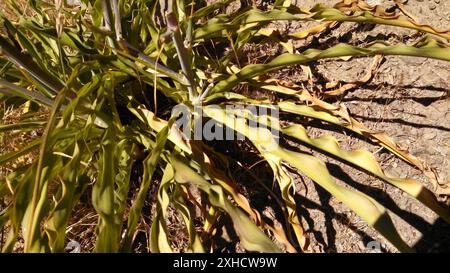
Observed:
{"x":159,"y":241}
{"x":220,"y":25}
{"x":331,"y":114}
{"x":22,"y":126}
{"x":150,"y":164}
{"x":13,"y":89}
{"x":365,"y":160}
{"x":109,"y":224}
{"x":427,"y":47}
{"x":252,"y":238}
{"x":366,"y":207}
{"x":56,"y":224}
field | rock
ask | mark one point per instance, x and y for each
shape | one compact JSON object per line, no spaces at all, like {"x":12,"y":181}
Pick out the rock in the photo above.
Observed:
{"x":429,"y":136}
{"x":233,"y":7}
{"x":373,"y":2}
{"x":432,"y":6}
{"x":74,"y":2}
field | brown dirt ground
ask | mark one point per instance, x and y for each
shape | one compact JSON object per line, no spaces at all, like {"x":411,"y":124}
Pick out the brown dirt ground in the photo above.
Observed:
{"x":409,"y":100}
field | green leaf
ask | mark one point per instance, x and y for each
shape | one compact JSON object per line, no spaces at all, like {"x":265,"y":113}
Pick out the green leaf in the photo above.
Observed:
{"x":252,"y":238}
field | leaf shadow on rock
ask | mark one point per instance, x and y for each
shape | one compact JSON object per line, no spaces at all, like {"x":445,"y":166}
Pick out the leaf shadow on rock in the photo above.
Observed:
{"x":430,"y":232}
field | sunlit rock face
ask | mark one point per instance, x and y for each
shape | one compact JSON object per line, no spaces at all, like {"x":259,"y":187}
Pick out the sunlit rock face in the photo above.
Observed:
{"x":374,"y":2}
{"x":73,"y":2}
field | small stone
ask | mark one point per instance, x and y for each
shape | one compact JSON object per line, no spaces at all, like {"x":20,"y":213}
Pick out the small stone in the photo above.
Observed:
{"x":437,"y":1}
{"x":432,"y":6}
{"x":74,"y":2}
{"x":373,"y":2}
{"x":429,"y":136}
{"x":447,"y":180}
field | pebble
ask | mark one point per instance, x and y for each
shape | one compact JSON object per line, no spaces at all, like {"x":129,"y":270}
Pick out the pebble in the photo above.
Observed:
{"x":74,"y":2}
{"x":429,"y":136}
{"x":373,"y":2}
{"x":432,"y":6}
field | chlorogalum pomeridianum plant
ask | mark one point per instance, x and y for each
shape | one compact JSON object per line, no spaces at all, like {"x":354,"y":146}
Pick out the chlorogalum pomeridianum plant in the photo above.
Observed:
{"x":116,"y":77}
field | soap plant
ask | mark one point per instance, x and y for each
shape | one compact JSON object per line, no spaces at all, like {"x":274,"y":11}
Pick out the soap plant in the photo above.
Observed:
{"x":115,"y":78}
